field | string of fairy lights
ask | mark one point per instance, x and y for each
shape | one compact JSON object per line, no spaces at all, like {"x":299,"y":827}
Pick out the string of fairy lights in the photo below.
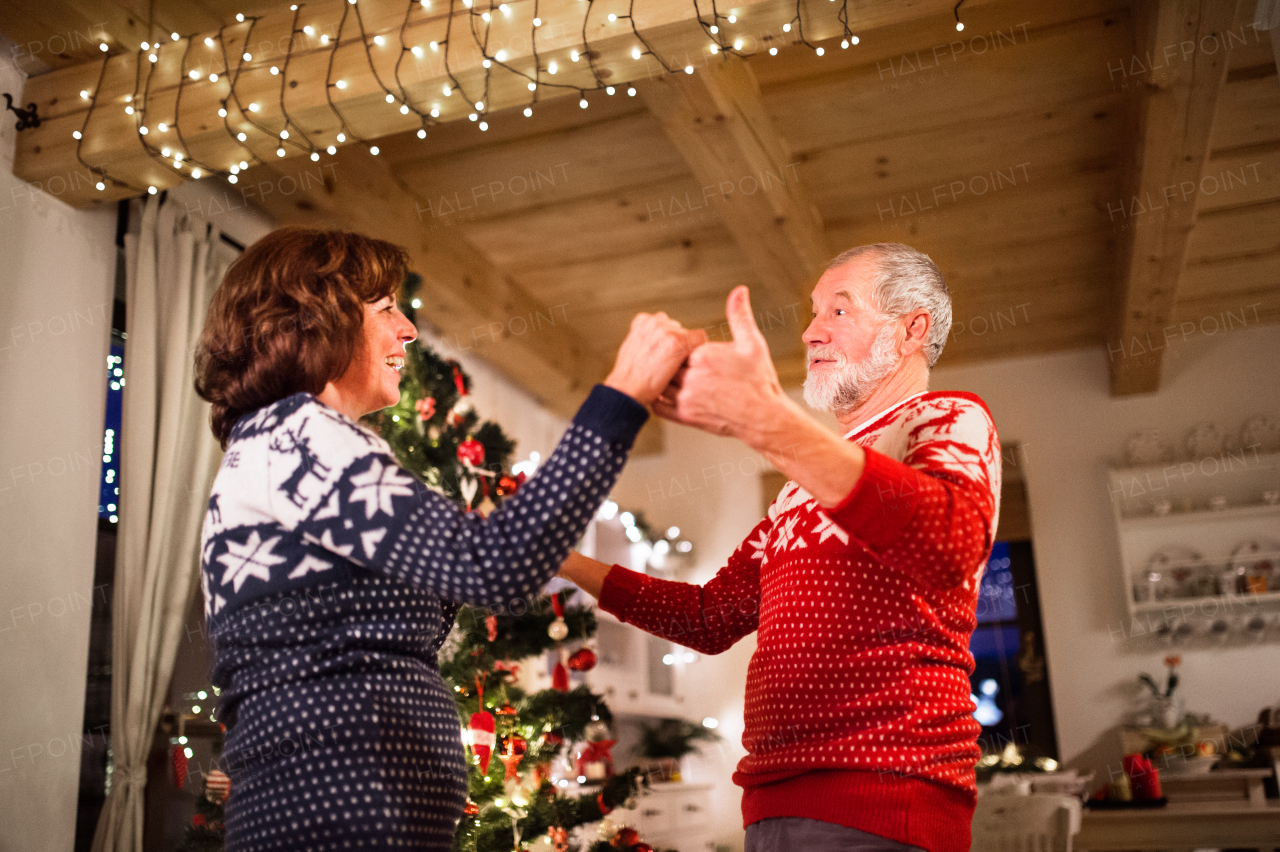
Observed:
{"x":238,"y":119}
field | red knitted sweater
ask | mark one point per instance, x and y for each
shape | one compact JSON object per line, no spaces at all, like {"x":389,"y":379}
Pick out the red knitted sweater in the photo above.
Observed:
{"x":857,"y":696}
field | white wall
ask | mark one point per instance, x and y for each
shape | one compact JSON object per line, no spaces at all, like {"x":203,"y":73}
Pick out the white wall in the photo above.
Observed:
{"x":56,"y":273}
{"x":1058,"y":406}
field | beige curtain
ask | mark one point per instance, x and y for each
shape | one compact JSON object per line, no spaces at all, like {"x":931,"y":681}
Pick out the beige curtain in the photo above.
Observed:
{"x":168,"y":458}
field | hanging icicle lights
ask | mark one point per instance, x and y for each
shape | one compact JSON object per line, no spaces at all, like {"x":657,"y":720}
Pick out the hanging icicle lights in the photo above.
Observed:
{"x":233,"y":61}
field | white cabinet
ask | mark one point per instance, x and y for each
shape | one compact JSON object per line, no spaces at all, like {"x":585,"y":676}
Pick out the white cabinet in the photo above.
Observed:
{"x":1183,"y":529}
{"x":672,"y":816}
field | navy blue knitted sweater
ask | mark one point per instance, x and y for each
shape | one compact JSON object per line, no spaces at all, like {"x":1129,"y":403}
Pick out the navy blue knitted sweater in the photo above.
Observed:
{"x":331,"y":577}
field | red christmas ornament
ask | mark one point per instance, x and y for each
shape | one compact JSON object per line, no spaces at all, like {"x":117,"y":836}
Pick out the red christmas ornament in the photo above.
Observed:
{"x":481,"y":730}
{"x":511,"y":761}
{"x":559,"y":838}
{"x":506,"y":710}
{"x":471,"y":808}
{"x":597,"y":752}
{"x":459,"y":380}
{"x":507,"y":671}
{"x":482,"y":737}
{"x":426,"y":407}
{"x":554,"y":738}
{"x":217,"y":786}
{"x":491,"y":625}
{"x":605,"y":810}
{"x":517,"y":744}
{"x":625,"y":837}
{"x":471,"y":452}
{"x":179,"y":765}
{"x":582,"y":660}
{"x":560,"y":678}
{"x":507,"y":485}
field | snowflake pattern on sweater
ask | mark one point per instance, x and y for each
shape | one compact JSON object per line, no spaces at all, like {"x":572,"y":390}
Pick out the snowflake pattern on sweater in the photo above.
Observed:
{"x":863,"y":614}
{"x":331,"y":578}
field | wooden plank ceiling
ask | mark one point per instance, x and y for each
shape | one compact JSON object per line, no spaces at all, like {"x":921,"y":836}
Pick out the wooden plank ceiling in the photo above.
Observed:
{"x":1024,"y":155}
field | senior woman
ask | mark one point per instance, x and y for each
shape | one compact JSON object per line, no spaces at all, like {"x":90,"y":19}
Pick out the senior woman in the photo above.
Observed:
{"x":331,"y":576}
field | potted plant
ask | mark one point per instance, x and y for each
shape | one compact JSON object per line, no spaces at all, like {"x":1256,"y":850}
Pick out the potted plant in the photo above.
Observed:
{"x":664,"y":744}
{"x":1165,"y":710}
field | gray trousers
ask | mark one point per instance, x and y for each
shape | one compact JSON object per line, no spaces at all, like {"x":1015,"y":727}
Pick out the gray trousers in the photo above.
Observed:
{"x":796,"y":834}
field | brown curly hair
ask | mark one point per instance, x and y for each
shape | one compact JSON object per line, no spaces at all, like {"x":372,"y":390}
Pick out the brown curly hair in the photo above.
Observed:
{"x":287,"y":318}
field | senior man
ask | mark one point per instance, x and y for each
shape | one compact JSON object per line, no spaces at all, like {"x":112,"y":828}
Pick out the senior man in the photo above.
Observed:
{"x":862,"y":581}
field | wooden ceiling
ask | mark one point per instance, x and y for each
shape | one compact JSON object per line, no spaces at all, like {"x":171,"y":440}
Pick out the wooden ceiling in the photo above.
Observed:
{"x":1081,"y":177}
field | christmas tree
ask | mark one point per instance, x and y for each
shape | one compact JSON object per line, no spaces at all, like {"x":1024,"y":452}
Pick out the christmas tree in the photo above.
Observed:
{"x":436,"y":433}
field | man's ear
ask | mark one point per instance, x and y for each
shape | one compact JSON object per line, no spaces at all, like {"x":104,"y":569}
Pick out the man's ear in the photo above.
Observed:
{"x":918,"y":323}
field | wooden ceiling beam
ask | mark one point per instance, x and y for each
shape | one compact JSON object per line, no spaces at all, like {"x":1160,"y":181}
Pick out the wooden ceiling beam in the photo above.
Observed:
{"x":717,"y":122}
{"x":162,"y":91}
{"x":476,"y":307}
{"x":1175,"y":110}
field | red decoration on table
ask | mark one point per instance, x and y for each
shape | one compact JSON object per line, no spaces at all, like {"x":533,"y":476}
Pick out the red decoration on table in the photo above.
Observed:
{"x":582,"y":660}
{"x":471,"y":452}
{"x":491,"y":626}
{"x":217,"y":786}
{"x":481,"y":730}
{"x":179,"y":757}
{"x":426,"y":407}
{"x":1144,"y":779}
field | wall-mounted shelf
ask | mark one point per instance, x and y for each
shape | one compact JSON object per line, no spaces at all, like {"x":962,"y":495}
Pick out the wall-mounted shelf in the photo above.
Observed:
{"x":1207,"y":507}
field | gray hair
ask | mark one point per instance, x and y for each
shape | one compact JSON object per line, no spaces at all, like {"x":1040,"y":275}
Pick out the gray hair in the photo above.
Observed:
{"x":907,"y":279}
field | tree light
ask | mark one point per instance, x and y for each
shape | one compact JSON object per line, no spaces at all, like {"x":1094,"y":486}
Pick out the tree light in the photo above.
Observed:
{"x":733,"y":19}
{"x":537,"y":22}
{"x":331,"y":150}
{"x":484,"y":125}
{"x":341,"y":84}
{"x":100,"y":185}
{"x":162,"y":127}
{"x":528,"y":112}
{"x":631,"y":91}
{"x":373,"y":149}
{"x":688,"y":69}
{"x":315,"y":156}
{"x":213,"y":78}
{"x":635,"y":53}
{"x":583,"y":103}
{"x":422,"y":133}
{"x":342,"y":137}
{"x":151,"y":190}
{"x":75,"y":134}
{"x":241,"y":136}
{"x":773,"y":51}
{"x":391,"y":98}
{"x":959,"y":27}
{"x":280,"y":152}
{"x":819,"y":51}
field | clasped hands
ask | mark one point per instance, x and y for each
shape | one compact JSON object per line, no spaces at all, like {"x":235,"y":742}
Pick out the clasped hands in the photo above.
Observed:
{"x":726,"y":388}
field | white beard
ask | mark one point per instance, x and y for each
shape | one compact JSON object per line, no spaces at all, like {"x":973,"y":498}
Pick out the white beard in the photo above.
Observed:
{"x":843,"y":386}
